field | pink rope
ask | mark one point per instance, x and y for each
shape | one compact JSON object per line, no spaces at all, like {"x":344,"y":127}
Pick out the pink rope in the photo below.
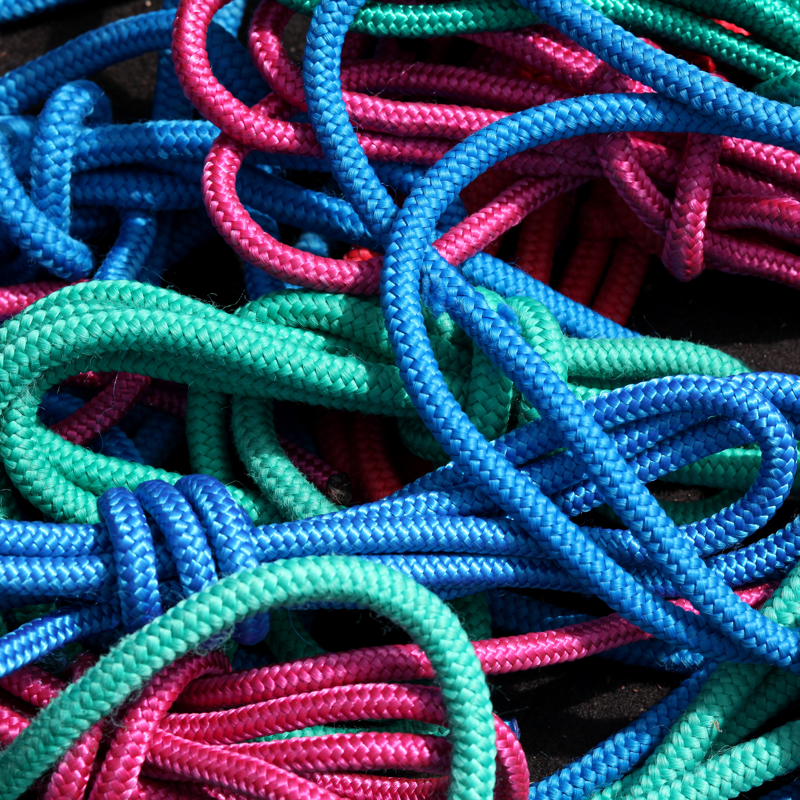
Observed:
{"x":408,"y":662}
{"x":689,"y":230}
{"x":156,"y":750}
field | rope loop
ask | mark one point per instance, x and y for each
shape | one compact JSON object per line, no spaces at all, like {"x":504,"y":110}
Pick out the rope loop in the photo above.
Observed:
{"x":151,"y":735}
{"x":683,"y":245}
{"x":204,"y":530}
{"x":420,"y":133}
{"x":121,"y":767}
{"x":59,"y":125}
{"x":681,"y":222}
{"x":39,"y":224}
{"x":134,"y":557}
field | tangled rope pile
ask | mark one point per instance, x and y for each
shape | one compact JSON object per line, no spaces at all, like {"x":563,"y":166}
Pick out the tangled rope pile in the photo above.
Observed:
{"x":404,"y":416}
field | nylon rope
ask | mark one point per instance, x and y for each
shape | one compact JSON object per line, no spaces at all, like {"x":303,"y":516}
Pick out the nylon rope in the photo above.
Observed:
{"x":404,"y":415}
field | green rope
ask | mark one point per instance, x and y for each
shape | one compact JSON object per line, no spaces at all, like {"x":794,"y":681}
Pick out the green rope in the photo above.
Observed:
{"x":321,"y":349}
{"x":704,"y":754}
{"x":132,"y":662}
{"x":775,"y":21}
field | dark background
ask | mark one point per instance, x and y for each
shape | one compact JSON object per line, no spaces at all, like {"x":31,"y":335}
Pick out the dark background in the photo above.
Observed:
{"x":563,"y":710}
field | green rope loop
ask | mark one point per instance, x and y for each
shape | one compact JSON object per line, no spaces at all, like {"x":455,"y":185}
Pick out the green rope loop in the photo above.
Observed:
{"x":320,"y":349}
{"x":132,"y":662}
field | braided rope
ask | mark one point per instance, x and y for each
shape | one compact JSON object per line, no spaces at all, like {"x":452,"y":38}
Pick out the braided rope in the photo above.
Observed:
{"x":544,"y":409}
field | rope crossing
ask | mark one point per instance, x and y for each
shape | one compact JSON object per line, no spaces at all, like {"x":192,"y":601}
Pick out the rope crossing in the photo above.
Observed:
{"x":424,"y":404}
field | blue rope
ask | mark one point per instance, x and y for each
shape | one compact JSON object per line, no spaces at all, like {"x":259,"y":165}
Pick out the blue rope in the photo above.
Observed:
{"x":376,"y":221}
{"x":84,"y":149}
{"x":409,"y":260}
{"x":789,"y":792}
{"x":19,"y":9}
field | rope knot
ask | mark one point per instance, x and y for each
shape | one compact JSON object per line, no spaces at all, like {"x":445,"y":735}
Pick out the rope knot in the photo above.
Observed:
{"x":199,"y":520}
{"x":41,"y":224}
{"x":48,"y":241}
{"x":682,"y":222}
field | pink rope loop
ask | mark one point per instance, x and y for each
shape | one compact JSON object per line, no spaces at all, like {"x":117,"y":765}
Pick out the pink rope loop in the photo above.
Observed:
{"x":209,"y":97}
{"x":257,"y":247}
{"x":745,"y":257}
{"x":33,"y":684}
{"x":688,"y":233}
{"x":232,"y":770}
{"x":119,"y":774}
{"x":508,"y":209}
{"x":216,"y":752}
{"x":104,"y":410}
{"x":460,"y":83}
{"x":683,"y":245}
{"x":185,"y":739}
{"x":256,"y":127}
{"x":408,"y":662}
{"x":313,"y":757}
{"x":631,"y":181}
{"x":545,"y":50}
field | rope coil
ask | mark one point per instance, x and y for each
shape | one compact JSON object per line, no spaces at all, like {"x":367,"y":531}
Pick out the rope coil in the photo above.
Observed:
{"x":398,"y":416}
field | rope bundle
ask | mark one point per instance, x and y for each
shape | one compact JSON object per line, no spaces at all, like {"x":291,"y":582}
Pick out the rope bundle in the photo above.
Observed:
{"x":470,"y":433}
{"x":628,"y":165}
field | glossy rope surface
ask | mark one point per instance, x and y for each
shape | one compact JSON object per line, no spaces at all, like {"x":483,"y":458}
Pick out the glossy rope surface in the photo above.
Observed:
{"x":496,"y":431}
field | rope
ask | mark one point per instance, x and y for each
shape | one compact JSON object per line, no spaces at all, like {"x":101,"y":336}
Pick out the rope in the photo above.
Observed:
{"x":671,"y":22}
{"x":96,"y":148}
{"x":473,"y":411}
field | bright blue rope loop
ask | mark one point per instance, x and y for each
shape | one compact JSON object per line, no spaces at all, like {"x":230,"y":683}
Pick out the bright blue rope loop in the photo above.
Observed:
{"x":456,"y":553}
{"x":409,"y":261}
{"x":39,"y":225}
{"x":502,"y":514}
